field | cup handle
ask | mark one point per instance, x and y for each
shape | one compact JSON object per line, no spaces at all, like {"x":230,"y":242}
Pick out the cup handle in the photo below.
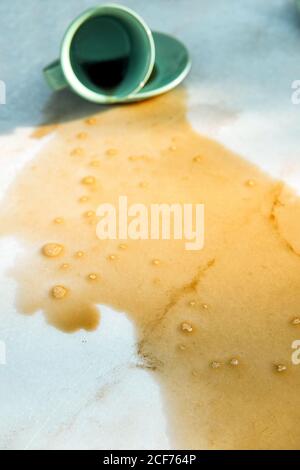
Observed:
{"x":54,"y":76}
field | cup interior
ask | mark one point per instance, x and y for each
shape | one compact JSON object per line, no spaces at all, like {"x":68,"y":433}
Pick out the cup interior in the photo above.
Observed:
{"x":111,"y":53}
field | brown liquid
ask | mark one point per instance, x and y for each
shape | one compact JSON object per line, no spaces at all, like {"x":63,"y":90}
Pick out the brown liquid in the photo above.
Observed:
{"x":212,"y":325}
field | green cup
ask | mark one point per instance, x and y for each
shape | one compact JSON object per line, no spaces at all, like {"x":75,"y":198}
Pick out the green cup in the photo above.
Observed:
{"x":107,"y":55}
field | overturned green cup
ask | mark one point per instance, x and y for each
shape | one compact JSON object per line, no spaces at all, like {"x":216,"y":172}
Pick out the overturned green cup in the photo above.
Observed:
{"x":107,"y":55}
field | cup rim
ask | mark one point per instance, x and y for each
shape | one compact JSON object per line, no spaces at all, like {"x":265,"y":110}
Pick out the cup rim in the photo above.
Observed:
{"x":65,"y":58}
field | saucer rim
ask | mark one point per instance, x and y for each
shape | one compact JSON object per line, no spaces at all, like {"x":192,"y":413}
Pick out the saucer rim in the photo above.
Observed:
{"x":141,"y":95}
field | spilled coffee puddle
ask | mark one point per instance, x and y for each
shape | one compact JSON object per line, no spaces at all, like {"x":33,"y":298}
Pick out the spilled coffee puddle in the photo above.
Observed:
{"x":216,"y":325}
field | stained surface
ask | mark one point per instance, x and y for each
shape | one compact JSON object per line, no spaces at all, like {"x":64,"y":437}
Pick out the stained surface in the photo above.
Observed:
{"x":214,"y":326}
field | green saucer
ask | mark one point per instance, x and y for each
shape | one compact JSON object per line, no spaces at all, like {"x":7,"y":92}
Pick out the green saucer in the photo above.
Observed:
{"x":172,"y":64}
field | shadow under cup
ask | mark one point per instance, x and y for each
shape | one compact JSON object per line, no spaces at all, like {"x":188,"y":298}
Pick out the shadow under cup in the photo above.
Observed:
{"x":112,"y":54}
